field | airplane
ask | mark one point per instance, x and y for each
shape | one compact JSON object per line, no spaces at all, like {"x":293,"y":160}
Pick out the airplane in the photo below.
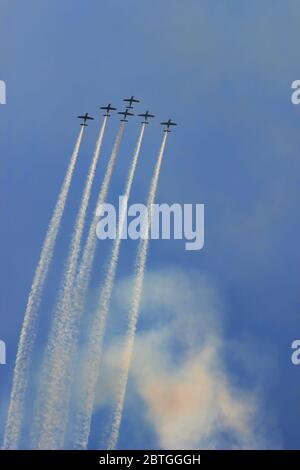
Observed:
{"x":85,"y":118}
{"x":168,"y":124}
{"x":131,"y":100}
{"x":125,"y":114}
{"x":146,"y":115}
{"x":108,"y":108}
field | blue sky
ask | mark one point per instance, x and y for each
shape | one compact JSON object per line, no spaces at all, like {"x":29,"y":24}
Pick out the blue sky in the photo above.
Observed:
{"x":223,"y":71}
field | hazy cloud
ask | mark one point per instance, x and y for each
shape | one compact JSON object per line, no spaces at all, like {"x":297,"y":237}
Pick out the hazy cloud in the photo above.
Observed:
{"x":178,"y":369}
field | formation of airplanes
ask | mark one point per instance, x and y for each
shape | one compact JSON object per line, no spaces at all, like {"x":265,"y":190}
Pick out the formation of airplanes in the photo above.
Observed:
{"x":125,"y":114}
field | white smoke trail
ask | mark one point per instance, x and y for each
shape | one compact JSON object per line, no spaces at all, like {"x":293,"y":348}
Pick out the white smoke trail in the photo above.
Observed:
{"x":135,"y":306}
{"x":28,"y":332}
{"x":57,"y":363}
{"x":94,"y":347}
{"x":80,"y":287}
{"x":86,"y":264}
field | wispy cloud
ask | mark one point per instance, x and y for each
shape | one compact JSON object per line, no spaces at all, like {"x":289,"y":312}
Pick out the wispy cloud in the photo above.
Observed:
{"x":178,"y":369}
{"x":192,"y":404}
